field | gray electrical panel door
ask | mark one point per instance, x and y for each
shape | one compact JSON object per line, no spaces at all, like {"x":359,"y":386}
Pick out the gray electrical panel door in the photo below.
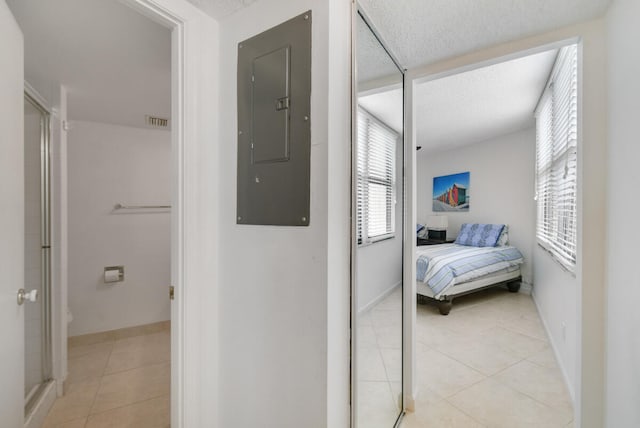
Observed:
{"x":274,"y":134}
{"x":270,"y":107}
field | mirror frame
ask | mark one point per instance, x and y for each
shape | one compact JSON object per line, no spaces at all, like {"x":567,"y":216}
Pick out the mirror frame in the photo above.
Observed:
{"x":357,"y":12}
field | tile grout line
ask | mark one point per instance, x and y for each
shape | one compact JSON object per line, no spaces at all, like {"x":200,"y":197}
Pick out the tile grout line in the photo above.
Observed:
{"x":493,"y":376}
{"x":132,"y":404}
{"x":498,"y":322}
{"x":473,"y":418}
{"x":531,"y":396}
{"x":95,"y":397}
{"x":534,"y":398}
{"x":102,"y":374}
{"x":379,"y":349}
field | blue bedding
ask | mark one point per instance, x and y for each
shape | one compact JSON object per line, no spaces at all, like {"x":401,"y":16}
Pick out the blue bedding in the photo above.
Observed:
{"x":442,"y":266}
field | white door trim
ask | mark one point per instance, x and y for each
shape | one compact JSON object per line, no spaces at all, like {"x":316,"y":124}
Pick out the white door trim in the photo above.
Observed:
{"x":589,"y":388}
{"x":194,"y":84}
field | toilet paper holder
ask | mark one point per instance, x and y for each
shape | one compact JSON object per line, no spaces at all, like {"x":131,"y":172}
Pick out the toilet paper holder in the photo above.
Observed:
{"x":113,"y":274}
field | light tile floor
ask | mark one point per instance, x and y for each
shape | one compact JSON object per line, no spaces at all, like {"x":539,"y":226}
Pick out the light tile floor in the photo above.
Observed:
{"x":487,"y":364}
{"x":379,"y":363}
{"x":116,"y":382}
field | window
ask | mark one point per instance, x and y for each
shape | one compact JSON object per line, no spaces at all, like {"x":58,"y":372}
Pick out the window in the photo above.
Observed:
{"x":557,"y":158}
{"x":376,"y":151}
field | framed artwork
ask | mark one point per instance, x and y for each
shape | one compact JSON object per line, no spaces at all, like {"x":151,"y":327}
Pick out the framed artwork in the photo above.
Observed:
{"x":451,"y":192}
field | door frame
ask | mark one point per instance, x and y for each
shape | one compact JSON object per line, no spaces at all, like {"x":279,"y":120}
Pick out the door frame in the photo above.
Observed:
{"x":194,"y":111}
{"x":589,"y":384}
{"x":194,"y":139}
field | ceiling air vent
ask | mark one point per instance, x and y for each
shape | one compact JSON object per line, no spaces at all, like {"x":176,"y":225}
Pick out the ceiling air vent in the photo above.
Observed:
{"x":157,"y":122}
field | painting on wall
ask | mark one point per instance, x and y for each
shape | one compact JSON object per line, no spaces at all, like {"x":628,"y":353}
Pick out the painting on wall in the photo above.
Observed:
{"x":451,"y":192}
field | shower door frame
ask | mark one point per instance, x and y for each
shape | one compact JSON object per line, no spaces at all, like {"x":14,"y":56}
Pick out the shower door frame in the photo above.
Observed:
{"x":32,"y":97}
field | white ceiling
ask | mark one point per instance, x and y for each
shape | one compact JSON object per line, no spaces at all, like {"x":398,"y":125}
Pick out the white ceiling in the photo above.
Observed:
{"x":481,"y":104}
{"x":115,"y":62}
{"x":470,"y":107}
{"x":373,"y":62}
{"x":221,"y":8}
{"x":386,"y":106}
{"x":420,"y":32}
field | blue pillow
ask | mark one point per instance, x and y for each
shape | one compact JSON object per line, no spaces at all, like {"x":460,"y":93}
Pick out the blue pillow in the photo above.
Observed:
{"x":419,"y":227}
{"x":479,"y":235}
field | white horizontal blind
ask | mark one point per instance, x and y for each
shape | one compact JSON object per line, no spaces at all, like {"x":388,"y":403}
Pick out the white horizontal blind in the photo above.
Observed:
{"x":556,"y":160}
{"x":376,"y":178}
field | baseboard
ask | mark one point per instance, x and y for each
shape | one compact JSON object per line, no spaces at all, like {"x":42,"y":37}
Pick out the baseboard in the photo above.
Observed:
{"x":526,"y":288}
{"x":35,"y":419}
{"x":380,"y":298}
{"x":410,"y":401}
{"x":554,"y":348}
{"x":121,"y":333}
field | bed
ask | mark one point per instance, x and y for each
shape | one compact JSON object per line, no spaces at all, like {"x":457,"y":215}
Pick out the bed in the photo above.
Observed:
{"x":446,"y":271}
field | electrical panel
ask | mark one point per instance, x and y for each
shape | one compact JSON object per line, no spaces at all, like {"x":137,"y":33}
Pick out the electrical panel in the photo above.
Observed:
{"x":274,"y":125}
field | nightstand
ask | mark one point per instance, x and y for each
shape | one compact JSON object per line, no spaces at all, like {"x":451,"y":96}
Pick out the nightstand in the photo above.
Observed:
{"x":422,"y":241}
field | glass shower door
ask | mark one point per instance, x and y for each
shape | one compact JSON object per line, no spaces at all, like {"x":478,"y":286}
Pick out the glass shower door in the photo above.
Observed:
{"x":36,"y":251}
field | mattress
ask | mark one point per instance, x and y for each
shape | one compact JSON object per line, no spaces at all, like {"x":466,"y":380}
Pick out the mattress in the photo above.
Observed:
{"x":478,"y":283}
{"x":443,"y":266}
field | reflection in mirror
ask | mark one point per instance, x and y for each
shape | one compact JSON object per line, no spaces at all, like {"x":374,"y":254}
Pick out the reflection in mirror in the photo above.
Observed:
{"x":378,"y":256}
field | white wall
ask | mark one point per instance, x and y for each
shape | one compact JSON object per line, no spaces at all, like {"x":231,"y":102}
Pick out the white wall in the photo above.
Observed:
{"x":572,"y":306}
{"x":555,"y":294}
{"x":623,"y":294}
{"x":110,"y":164}
{"x":379,"y":265}
{"x":276,"y":282}
{"x":501,"y":187}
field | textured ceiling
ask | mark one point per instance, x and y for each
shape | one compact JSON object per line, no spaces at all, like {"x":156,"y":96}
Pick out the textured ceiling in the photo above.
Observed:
{"x":221,"y":8}
{"x":470,"y":107}
{"x":373,"y":62}
{"x":115,"y":62}
{"x":481,"y":104}
{"x":420,"y":32}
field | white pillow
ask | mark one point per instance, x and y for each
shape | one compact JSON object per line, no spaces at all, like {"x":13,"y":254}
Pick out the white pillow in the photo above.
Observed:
{"x":503,"y":239}
{"x":424,"y":233}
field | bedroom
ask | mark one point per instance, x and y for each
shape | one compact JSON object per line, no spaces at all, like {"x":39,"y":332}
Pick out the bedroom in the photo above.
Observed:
{"x":479,"y":122}
{"x":483,"y":122}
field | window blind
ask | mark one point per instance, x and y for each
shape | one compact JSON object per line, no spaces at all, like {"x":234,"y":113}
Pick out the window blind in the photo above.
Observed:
{"x":557,"y":160}
{"x":375,"y":185}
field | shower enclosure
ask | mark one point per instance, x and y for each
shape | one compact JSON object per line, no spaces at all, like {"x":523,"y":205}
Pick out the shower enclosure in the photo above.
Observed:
{"x":37,"y":260}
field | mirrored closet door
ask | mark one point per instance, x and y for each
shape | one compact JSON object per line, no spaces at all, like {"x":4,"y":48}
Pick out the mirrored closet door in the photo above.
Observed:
{"x":378,"y":239}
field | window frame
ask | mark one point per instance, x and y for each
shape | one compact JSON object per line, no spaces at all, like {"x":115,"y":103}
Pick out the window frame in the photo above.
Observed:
{"x":556,"y":165}
{"x":362,"y":219}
